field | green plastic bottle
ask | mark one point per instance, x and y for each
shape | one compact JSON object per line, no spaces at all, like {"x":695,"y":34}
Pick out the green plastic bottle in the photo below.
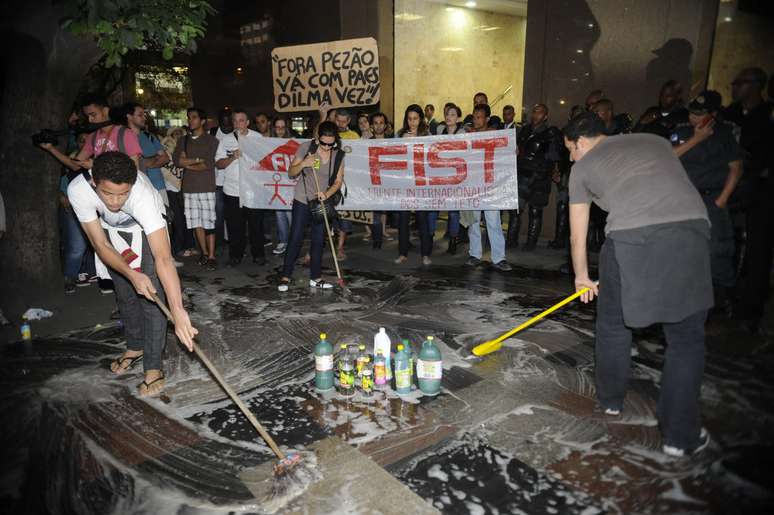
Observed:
{"x":429,"y":368}
{"x":402,"y":371}
{"x":323,"y":365}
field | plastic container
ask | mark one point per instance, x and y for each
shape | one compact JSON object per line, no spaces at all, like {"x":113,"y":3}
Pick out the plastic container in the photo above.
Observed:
{"x":402,"y":371}
{"x":380,"y":371}
{"x":26,"y":330}
{"x":367,"y":378}
{"x":346,"y":372}
{"x":429,"y":368}
{"x":409,"y":348}
{"x":323,"y":365}
{"x":360,"y":360}
{"x":382,"y":344}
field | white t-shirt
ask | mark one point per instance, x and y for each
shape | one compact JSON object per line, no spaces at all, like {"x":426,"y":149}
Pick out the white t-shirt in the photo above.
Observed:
{"x":144,"y":206}
{"x":229,"y":143}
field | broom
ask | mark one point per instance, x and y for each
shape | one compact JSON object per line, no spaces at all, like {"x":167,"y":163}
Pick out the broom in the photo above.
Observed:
{"x":290,"y":476}
{"x":496,"y":344}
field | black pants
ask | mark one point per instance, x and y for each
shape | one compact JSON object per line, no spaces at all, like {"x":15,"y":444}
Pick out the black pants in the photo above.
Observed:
{"x":179,"y":230}
{"x":753,"y":285}
{"x":145,"y":326}
{"x":678,"y":404}
{"x":239,"y":220}
{"x":404,"y":233}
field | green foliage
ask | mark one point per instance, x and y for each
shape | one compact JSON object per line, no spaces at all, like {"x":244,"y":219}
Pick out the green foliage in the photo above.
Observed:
{"x":119,"y":26}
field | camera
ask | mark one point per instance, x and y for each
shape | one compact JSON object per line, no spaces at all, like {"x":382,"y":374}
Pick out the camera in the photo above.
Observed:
{"x":52,"y":136}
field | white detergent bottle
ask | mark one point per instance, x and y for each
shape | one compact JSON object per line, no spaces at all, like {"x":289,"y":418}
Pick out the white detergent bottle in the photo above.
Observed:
{"x":383,"y":345}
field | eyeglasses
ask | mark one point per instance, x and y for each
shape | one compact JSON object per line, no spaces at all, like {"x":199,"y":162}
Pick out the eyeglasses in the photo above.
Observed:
{"x":327,"y":145}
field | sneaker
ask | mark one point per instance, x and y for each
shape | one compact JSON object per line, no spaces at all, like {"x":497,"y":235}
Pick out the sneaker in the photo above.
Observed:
{"x":69,"y":286}
{"x":472,"y":261}
{"x":83,"y":280}
{"x":93,"y":278}
{"x":610,"y":412}
{"x":427,"y":261}
{"x":502,"y":266}
{"x":400,"y":260}
{"x":280,"y":249}
{"x":319,"y":283}
{"x":105,"y":286}
{"x":211,"y":265}
{"x":677,"y":452}
{"x":267,"y":241}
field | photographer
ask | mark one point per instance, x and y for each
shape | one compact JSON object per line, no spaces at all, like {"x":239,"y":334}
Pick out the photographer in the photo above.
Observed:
{"x":319,"y":157}
{"x":111,"y":137}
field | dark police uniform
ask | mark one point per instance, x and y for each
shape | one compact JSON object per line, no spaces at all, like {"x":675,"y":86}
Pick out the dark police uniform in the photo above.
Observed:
{"x":754,"y":195}
{"x":538,"y":155}
{"x":707,"y":167}
{"x":665,"y":124}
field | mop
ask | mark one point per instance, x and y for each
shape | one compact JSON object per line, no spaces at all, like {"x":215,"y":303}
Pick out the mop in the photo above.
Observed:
{"x":291,"y":476}
{"x":496,"y":344}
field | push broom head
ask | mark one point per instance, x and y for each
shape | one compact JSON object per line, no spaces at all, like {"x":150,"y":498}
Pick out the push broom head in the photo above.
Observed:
{"x":487,"y":347}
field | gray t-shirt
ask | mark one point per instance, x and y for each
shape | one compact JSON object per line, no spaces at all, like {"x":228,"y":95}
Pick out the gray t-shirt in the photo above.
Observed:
{"x":306,"y":188}
{"x":639,"y":180}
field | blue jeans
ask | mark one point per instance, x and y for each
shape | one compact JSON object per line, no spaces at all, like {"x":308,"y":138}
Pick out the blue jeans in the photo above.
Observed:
{"x":302,"y":217}
{"x":494,"y":232}
{"x":283,"y":225}
{"x":77,"y":251}
{"x":453,"y":225}
{"x":423,"y":228}
{"x":678,"y":404}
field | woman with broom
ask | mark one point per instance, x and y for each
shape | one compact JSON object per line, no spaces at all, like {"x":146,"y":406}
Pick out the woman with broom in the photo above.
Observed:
{"x":322,"y":174}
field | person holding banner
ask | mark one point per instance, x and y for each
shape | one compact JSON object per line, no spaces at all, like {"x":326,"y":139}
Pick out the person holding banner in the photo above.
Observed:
{"x":377,"y":124}
{"x":280,"y":128}
{"x":451,"y":115}
{"x":494,"y":229}
{"x":413,"y":126}
{"x":321,"y":158}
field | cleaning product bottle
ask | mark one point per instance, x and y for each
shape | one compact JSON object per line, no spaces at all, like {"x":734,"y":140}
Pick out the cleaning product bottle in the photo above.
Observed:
{"x":429,"y":368}
{"x":361,"y":357}
{"x":346,"y":374}
{"x":412,"y":354}
{"x":323,"y":365}
{"x":380,"y":371}
{"x":343,"y":351}
{"x":382,"y":344}
{"x":402,"y":371}
{"x":367,"y":378}
{"x":26,"y":330}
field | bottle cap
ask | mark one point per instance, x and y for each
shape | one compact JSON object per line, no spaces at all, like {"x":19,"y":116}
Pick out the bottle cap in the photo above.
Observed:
{"x":429,"y":338}
{"x":366,"y":359}
{"x":362,"y":347}
{"x":400,"y":347}
{"x":323,"y":336}
{"x":343,"y":346}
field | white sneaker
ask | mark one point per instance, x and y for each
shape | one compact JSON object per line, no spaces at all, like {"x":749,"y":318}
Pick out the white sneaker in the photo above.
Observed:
{"x":612,"y":412}
{"x":280,"y":248}
{"x":677,"y":452}
{"x":321,"y":284}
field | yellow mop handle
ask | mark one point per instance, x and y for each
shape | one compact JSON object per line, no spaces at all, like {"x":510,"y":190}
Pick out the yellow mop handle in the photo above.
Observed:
{"x":496,"y":344}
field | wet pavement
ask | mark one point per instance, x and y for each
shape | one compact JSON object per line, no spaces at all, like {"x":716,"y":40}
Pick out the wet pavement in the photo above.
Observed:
{"x":513,"y":432}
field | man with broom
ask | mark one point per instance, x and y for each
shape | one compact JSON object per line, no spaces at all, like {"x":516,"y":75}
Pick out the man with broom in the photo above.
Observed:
{"x":654,"y":267}
{"x":123,"y":217}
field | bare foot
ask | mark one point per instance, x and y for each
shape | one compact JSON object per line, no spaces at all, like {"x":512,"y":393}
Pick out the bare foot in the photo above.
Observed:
{"x":127,"y":360}
{"x":153,"y":384}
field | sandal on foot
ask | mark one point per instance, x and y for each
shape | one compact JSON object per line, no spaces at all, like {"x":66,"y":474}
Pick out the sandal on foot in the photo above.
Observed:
{"x":320,"y":284}
{"x":283,"y":285}
{"x":120,"y":367}
{"x":159,"y":380}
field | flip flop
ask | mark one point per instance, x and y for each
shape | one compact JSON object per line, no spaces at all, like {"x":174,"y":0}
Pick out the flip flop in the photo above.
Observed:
{"x":148,"y":385}
{"x":119,"y":362}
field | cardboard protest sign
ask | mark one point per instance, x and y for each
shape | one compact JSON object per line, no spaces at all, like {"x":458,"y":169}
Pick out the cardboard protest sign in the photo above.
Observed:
{"x":359,"y":217}
{"x":340,"y":73}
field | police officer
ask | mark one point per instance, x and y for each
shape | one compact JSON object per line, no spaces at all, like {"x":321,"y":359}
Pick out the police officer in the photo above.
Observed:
{"x":538,"y":145}
{"x":755,"y":118}
{"x":664,"y":118}
{"x":713,"y":161}
{"x":614,"y":124}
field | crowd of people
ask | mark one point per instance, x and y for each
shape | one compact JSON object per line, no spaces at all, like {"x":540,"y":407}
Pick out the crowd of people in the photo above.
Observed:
{"x":195,"y":169}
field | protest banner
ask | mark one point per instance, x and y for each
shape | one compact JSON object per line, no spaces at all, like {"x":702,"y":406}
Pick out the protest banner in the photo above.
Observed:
{"x":339,"y":73}
{"x":358,"y":217}
{"x":469,"y":171}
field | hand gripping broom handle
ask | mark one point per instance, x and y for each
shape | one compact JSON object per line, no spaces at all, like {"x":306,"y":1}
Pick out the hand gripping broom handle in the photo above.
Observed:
{"x":230,"y":391}
{"x":328,"y":229}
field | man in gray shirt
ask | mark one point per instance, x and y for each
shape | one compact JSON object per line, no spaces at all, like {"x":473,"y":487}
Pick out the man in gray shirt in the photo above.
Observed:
{"x":654,"y":267}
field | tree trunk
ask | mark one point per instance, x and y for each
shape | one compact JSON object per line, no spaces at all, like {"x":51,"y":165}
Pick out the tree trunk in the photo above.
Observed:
{"x":43,"y":69}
